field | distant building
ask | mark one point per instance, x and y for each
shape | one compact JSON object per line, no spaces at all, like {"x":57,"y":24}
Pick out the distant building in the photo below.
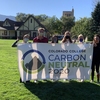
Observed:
{"x":68,"y":13}
{"x":12,"y":29}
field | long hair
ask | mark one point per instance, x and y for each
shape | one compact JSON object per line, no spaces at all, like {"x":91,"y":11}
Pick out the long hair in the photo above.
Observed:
{"x":64,"y":38}
{"x":52,"y":40}
{"x":96,"y":35}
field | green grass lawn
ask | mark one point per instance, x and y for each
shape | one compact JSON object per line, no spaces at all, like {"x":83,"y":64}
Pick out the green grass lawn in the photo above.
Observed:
{"x":12,"y":89}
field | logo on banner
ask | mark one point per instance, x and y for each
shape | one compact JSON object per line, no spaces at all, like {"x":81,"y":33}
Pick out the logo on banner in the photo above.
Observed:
{"x":33,"y":64}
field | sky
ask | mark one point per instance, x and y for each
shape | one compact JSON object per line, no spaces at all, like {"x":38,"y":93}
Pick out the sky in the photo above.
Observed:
{"x":82,"y":8}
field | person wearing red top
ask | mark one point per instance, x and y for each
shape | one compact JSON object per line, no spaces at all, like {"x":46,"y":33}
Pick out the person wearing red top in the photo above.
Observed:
{"x":40,"y":38}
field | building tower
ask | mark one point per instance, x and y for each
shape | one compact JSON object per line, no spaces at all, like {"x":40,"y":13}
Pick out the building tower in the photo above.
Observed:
{"x":68,"y":13}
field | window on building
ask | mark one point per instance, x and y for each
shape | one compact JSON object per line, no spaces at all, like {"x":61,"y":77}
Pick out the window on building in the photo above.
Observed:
{"x":68,"y":15}
{"x":6,"y":23}
{"x":5,"y":32}
{"x":31,"y":20}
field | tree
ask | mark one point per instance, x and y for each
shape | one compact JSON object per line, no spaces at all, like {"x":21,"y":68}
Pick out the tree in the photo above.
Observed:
{"x":58,"y":26}
{"x":95,"y":27}
{"x":82,"y":26}
{"x":67,"y":23}
{"x":50,"y":24}
{"x":41,"y":17}
{"x":21,"y":17}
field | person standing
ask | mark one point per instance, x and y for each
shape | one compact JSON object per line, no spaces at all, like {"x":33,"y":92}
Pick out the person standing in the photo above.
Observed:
{"x":96,"y":57}
{"x":80,"y":39}
{"x":54,"y":39}
{"x":40,"y":38}
{"x":66,"y":39}
{"x":25,"y":40}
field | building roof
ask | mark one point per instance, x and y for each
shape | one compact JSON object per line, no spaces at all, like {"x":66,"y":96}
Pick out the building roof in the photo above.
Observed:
{"x":14,"y":25}
{"x":11,"y":22}
{"x":1,"y":23}
{"x":41,"y":25}
{"x":1,"y":28}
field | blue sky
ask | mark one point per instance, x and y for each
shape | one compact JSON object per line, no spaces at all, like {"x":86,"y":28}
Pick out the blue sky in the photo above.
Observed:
{"x":82,"y":8}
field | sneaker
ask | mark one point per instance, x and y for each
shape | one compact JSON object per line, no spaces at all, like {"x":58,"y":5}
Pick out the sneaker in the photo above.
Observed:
{"x":27,"y":81}
{"x":35,"y":81}
{"x":82,"y":80}
{"x":79,"y":80}
{"x":52,"y":80}
{"x":91,"y":81}
{"x":64,"y":80}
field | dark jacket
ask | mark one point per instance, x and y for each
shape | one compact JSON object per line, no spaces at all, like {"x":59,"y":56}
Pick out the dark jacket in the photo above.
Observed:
{"x":96,"y":53}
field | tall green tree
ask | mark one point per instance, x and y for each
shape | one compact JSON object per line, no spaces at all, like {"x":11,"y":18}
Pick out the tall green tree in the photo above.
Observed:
{"x":21,"y":17}
{"x":67,"y":23}
{"x":58,"y":26}
{"x":82,"y":26}
{"x":41,"y":17}
{"x":95,"y":27}
{"x":50,"y":24}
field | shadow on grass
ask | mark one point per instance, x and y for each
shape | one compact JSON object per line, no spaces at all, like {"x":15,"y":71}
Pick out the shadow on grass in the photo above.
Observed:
{"x":72,"y":90}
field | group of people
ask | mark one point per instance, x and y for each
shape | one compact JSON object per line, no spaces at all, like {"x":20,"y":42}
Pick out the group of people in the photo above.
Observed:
{"x":67,"y":39}
{"x":96,"y":52}
{"x":39,"y":39}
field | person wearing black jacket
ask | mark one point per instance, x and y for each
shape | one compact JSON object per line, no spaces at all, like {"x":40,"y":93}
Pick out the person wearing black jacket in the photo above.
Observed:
{"x":96,"y":57}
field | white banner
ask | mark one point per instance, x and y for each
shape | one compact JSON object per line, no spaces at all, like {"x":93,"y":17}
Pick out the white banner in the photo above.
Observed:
{"x":54,"y":61}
